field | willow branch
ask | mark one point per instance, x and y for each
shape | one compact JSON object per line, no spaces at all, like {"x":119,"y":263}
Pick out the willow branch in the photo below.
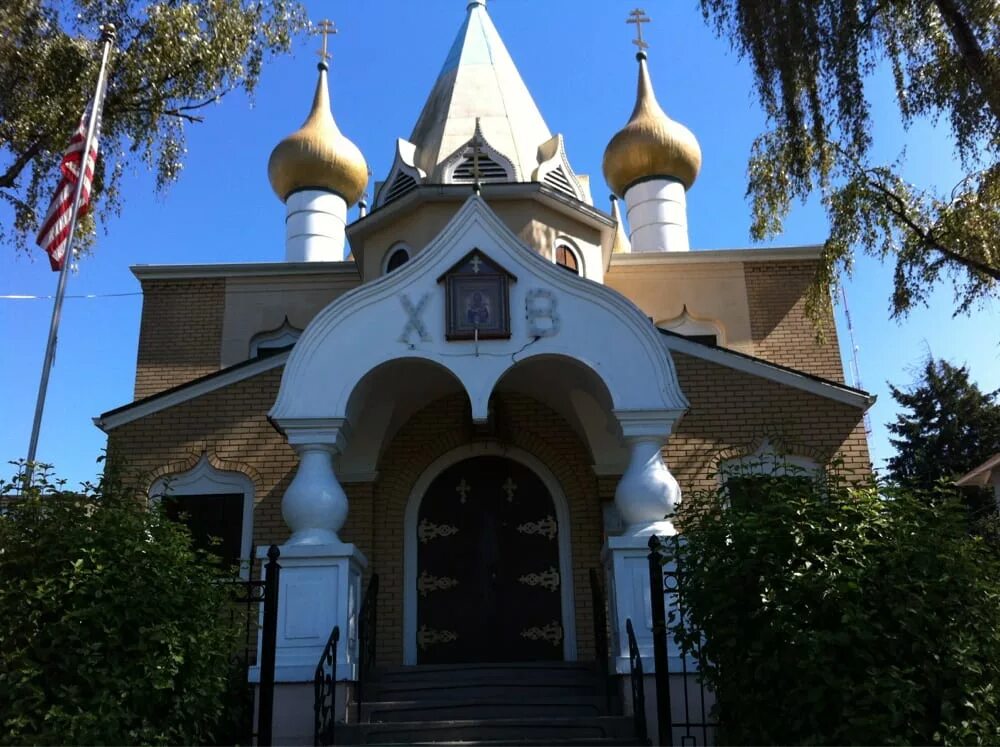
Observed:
{"x":898,"y":208}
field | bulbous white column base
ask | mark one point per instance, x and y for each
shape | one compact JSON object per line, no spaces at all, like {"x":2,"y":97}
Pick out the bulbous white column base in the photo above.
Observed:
{"x":315,"y":505}
{"x":647,"y":493}
{"x":657,"y":216}
{"x":314,"y":226}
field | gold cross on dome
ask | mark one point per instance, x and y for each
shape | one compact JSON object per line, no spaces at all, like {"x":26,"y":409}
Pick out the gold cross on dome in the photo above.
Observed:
{"x":463,"y":489}
{"x":325,"y":28}
{"x":638,"y":17}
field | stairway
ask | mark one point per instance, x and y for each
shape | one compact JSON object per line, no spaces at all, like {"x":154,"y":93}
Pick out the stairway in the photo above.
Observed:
{"x":490,"y":704}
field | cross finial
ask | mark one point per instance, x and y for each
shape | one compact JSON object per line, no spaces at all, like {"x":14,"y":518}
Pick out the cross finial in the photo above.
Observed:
{"x":325,"y":28}
{"x":476,"y":141}
{"x":638,"y":17}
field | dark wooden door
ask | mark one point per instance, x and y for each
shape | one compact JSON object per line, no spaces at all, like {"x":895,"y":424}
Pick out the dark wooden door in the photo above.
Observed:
{"x":488,"y":577}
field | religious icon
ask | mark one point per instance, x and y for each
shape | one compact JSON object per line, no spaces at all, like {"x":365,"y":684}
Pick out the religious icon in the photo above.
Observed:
{"x":477,"y":299}
{"x":477,"y":309}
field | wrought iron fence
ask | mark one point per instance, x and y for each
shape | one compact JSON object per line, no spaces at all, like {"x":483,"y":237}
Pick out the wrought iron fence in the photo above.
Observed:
{"x":601,"y":634}
{"x":683,"y":702}
{"x":325,"y":690}
{"x":254,"y":600}
{"x":638,"y":685}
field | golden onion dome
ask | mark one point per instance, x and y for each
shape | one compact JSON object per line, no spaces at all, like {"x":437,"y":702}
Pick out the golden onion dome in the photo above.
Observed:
{"x":651,"y":144}
{"x":318,"y":156}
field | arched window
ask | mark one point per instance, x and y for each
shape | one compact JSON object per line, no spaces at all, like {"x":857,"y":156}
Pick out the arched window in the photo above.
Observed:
{"x":749,"y":479}
{"x":217,"y":507}
{"x":396,"y":258}
{"x":567,"y":259}
{"x":699,"y":330}
{"x":274,"y":341}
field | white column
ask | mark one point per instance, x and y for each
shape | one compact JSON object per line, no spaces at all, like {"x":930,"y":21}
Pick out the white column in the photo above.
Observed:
{"x":657,"y":216}
{"x":315,"y":505}
{"x":314,"y":226}
{"x":647,"y":493}
{"x":320,"y":578}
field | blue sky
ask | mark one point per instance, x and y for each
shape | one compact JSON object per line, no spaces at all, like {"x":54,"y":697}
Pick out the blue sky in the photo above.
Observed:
{"x":576,"y":59}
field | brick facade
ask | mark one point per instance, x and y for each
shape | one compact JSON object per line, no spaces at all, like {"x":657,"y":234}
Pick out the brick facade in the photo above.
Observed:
{"x":181,"y":333}
{"x":731,"y":413}
{"x":781,"y":331}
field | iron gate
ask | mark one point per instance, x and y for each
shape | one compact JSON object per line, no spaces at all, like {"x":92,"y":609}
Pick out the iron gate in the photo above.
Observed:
{"x":682,"y":700}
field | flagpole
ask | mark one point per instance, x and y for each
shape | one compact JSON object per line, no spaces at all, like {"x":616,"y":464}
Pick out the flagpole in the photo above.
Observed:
{"x":108,"y":40}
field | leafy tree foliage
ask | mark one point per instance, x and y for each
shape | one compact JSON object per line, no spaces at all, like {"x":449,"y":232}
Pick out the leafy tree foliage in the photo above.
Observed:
{"x":114,"y":630}
{"x":811,"y":59}
{"x":947,"y":426}
{"x":173,"y":59}
{"x":842,"y":615}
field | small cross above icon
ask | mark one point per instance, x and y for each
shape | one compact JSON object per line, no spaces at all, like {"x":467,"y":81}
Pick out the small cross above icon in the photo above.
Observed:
{"x":463,"y":489}
{"x":509,"y":487}
{"x":475,"y":262}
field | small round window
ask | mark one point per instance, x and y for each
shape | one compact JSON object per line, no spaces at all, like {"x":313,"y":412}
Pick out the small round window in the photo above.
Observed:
{"x":566,"y":258}
{"x":397,"y":258}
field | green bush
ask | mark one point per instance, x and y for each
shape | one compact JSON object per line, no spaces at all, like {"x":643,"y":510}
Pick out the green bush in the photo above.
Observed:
{"x":114,"y":630}
{"x":836,"y":614}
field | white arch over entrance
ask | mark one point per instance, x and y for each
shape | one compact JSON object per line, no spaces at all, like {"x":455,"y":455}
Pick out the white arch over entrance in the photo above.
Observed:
{"x":468,"y":451}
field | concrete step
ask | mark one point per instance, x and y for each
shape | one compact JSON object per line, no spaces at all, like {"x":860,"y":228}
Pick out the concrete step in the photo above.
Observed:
{"x":513,"y":730}
{"x":556,"y":672}
{"x":598,"y":742}
{"x":478,"y":681}
{"x":522,"y":690}
{"x":509,"y":706}
{"x":414,"y":669}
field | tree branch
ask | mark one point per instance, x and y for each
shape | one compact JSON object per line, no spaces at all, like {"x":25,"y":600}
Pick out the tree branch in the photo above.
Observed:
{"x":976,"y":63}
{"x":9,"y":177}
{"x":898,"y":208}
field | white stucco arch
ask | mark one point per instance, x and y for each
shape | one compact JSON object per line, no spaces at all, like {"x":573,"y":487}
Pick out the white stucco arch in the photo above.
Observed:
{"x":469,"y":451}
{"x":402,"y":315}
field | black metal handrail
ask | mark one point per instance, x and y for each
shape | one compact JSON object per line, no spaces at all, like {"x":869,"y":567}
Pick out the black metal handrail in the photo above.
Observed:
{"x":600,"y":633}
{"x":325,"y":691}
{"x":268,"y":647}
{"x":367,"y":626}
{"x":638,"y":685}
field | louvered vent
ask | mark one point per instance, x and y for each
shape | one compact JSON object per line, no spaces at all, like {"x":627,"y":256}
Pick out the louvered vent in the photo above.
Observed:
{"x":489,"y":170}
{"x":402,"y":184}
{"x":557,"y":178}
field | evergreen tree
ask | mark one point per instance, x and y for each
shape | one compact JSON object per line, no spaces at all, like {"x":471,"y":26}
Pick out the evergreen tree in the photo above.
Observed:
{"x":947,"y":427}
{"x":812,"y":60}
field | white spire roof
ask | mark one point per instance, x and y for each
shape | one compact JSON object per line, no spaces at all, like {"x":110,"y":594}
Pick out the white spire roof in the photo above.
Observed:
{"x":479,"y":79}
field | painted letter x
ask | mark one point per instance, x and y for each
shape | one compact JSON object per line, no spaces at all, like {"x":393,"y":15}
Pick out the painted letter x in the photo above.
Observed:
{"x":413,"y":322}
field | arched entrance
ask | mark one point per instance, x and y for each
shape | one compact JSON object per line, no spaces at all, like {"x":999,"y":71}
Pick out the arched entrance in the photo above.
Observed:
{"x":488,"y":571}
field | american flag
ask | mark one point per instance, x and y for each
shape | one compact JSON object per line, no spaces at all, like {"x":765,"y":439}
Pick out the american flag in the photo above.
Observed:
{"x":54,"y":233}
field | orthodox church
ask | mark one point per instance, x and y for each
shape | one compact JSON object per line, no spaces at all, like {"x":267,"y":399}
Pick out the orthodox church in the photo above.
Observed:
{"x":500,"y":389}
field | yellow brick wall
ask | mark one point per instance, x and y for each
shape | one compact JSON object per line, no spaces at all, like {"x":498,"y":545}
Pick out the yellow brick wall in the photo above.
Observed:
{"x":731,"y":413}
{"x":778,"y":325}
{"x":180,"y":334}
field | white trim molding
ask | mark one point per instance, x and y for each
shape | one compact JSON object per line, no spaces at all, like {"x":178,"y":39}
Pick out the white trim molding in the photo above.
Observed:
{"x":204,"y":479}
{"x":280,"y":337}
{"x":187,"y":392}
{"x":470,"y":451}
{"x":766,"y":370}
{"x":766,"y":460}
